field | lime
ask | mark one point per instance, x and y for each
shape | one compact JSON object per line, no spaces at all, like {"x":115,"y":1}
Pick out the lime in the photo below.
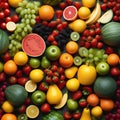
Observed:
{"x":34,"y":62}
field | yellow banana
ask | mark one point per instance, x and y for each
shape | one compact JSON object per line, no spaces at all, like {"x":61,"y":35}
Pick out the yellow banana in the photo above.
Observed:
{"x":96,"y":13}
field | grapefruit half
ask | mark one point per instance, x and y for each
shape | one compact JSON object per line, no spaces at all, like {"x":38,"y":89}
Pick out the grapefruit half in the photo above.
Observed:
{"x":70,"y":13}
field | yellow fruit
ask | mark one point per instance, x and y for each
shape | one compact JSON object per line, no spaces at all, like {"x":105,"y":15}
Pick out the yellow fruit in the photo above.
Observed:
{"x":84,"y":12}
{"x":14,"y":3}
{"x":54,"y":95}
{"x":86,"y":74}
{"x":32,"y":111}
{"x":96,"y":111}
{"x":7,"y":107}
{"x":89,"y":3}
{"x":78,"y":25}
{"x":20,"y":58}
{"x":36,"y":75}
{"x":73,"y":84}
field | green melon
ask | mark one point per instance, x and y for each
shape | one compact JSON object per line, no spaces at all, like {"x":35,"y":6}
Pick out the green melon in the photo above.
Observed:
{"x":51,"y":2}
{"x":105,"y":86}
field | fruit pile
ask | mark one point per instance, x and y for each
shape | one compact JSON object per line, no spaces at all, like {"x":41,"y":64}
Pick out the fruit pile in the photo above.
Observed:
{"x":60,"y":59}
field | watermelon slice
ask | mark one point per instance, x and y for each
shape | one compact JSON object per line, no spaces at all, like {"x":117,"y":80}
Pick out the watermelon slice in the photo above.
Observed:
{"x":70,"y":13}
{"x":33,"y":45}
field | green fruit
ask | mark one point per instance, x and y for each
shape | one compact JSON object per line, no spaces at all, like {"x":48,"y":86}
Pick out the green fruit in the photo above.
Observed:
{"x":83,"y":52}
{"x":105,"y":86}
{"x":111,"y":33}
{"x":45,"y":63}
{"x":1,"y":66}
{"x":51,"y":2}
{"x":75,"y":36}
{"x":72,"y":104}
{"x":34,"y":62}
{"x":77,"y":60}
{"x":16,"y":94}
{"x":22,"y":117}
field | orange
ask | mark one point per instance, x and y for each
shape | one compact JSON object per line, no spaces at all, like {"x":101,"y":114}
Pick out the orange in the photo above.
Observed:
{"x":72,"y":47}
{"x":46,"y":12}
{"x":84,"y":12}
{"x":9,"y":116}
{"x":107,"y":104}
{"x":10,"y":67}
{"x":66,"y":60}
{"x":14,"y":3}
{"x":89,"y":3}
{"x":113,"y":59}
{"x":96,"y":111}
{"x":93,"y":99}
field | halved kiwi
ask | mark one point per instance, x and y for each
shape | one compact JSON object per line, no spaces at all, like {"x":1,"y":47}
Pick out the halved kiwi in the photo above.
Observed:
{"x":22,"y":117}
{"x":75,"y":36}
{"x":77,"y":60}
{"x":83,"y":52}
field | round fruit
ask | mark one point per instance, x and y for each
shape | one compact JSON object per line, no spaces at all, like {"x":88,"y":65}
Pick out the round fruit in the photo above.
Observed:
{"x":9,"y":116}
{"x":66,"y":60}
{"x":73,"y":84}
{"x":10,"y":67}
{"x":77,"y":60}
{"x":20,"y":58}
{"x":22,"y":117}
{"x":83,"y":52}
{"x":72,"y":47}
{"x":34,"y":62}
{"x":105,"y":86}
{"x":7,"y":107}
{"x":32,"y":111}
{"x":89,"y":3}
{"x":84,"y":12}
{"x":1,"y":67}
{"x":70,"y":13}
{"x":46,"y":12}
{"x":36,"y":75}
{"x":75,"y":36}
{"x":14,"y":3}
{"x":96,"y":111}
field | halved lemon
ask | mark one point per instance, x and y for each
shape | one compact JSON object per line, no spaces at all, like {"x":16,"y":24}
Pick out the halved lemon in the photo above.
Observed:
{"x":30,"y":86}
{"x":32,"y":111}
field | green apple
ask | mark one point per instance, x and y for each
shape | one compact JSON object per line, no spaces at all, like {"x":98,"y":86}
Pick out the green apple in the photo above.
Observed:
{"x":38,"y":97}
{"x":53,"y":52}
{"x":72,"y":104}
{"x":34,"y":62}
{"x":1,"y":66}
{"x":102,"y":68}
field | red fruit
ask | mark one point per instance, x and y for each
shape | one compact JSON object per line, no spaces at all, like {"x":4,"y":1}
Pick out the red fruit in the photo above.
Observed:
{"x":109,"y":50}
{"x":26,"y":69}
{"x":45,"y":108}
{"x":55,"y":32}
{"x":77,"y":4}
{"x":99,"y":45}
{"x":50,"y":73}
{"x":22,"y":109}
{"x":12,"y":80}
{"x":76,"y":115}
{"x":37,"y":19}
{"x":104,"y":6}
{"x":67,"y":115}
{"x":55,"y":73}
{"x":62,"y":5}
{"x":98,"y":37}
{"x":3,"y":25}
{"x":60,"y":70}
{"x":45,"y":23}
{"x":59,"y":13}
{"x":7,"y":12}
{"x":59,"y":27}
{"x":94,"y":43}
{"x":59,"y":21}
{"x":92,"y":32}
{"x":2,"y":15}
{"x":27,"y":101}
{"x":6,"y":57}
{"x":19,"y":73}
{"x":51,"y":38}
{"x":69,"y":2}
{"x":65,"y":24}
{"x":52,"y":23}
{"x":22,"y":80}
{"x":54,"y":42}
{"x":98,"y":31}
{"x":5,"y":5}
{"x":54,"y":68}
{"x":82,"y":102}
{"x":76,"y":95}
{"x":115,"y":71}
{"x":15,"y":18}
{"x":43,"y":86}
{"x":8,"y":19}
{"x":55,"y":79}
{"x":87,"y":45}
{"x":61,"y":84}
{"x":48,"y":79}
{"x":62,"y":77}
{"x":2,"y":77}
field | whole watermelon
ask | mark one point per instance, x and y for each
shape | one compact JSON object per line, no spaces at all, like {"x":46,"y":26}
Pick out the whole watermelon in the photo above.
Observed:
{"x":51,"y":2}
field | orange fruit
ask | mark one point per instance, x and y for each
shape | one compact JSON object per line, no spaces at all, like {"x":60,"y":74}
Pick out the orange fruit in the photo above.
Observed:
{"x":96,"y":111}
{"x":10,"y":67}
{"x":93,"y":99}
{"x":107,"y":104}
{"x":20,"y":58}
{"x":89,"y":3}
{"x":46,"y":12}
{"x":84,"y":12}
{"x":113,"y":59}
{"x":14,"y":3}
{"x":72,"y":47}
{"x":9,"y":116}
{"x":66,"y":60}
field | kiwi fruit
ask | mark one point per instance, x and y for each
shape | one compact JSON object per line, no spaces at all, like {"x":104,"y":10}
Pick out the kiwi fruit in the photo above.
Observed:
{"x":77,"y":60}
{"x":75,"y":36}
{"x":22,"y":117}
{"x":83,"y":52}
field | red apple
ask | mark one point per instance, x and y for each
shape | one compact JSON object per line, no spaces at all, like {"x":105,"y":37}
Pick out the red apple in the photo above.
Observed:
{"x":115,"y":71}
{"x":6,"y":57}
{"x":2,"y":76}
{"x":22,"y":80}
{"x":26,"y":69}
{"x":12,"y":80}
{"x":19,"y":73}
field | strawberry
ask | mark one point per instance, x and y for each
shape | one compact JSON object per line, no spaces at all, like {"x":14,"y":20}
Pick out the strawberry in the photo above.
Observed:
{"x":77,"y":4}
{"x":45,"y":23}
{"x":76,"y":95}
{"x":62,"y":5}
{"x":60,"y":27}
{"x":52,"y":24}
{"x":50,"y":38}
{"x":54,"y":42}
{"x":55,"y":32}
{"x":69,"y":2}
{"x":104,"y":6}
{"x":59,"y":13}
{"x":65,"y":24}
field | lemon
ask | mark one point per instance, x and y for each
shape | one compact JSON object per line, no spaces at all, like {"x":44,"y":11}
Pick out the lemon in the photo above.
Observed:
{"x":96,"y":111}
{"x":89,"y":3}
{"x":14,"y":3}
{"x":32,"y":111}
{"x":20,"y":58}
{"x":7,"y":107}
{"x":30,"y":86}
{"x":84,"y":12}
{"x":73,"y":84}
{"x":36,"y":75}
{"x":78,"y":25}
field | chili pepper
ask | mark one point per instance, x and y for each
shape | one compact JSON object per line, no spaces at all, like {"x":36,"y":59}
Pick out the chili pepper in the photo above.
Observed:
{"x":76,"y":115}
{"x":82,"y":102}
{"x":86,"y":90}
{"x":67,"y":115}
{"x":76,"y":95}
{"x":43,"y":86}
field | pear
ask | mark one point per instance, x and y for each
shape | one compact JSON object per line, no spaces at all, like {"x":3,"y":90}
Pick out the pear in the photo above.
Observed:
{"x":45,"y":62}
{"x":54,"y":95}
{"x":86,"y":114}
{"x":71,"y":72}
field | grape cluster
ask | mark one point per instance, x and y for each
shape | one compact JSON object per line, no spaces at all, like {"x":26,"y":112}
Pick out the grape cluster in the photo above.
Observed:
{"x":27,"y":12}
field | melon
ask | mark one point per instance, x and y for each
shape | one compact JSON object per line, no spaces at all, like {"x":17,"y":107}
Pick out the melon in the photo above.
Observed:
{"x":51,"y":2}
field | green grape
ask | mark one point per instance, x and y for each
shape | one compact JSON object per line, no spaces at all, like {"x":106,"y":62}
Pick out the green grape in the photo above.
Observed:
{"x":27,"y":21}
{"x":33,"y":21}
{"x":28,"y":11}
{"x":25,"y":2}
{"x":29,"y":16}
{"x":96,"y":59}
{"x":99,"y":54}
{"x":91,"y":51}
{"x":105,"y":56}
{"x":10,"y":46}
{"x":90,"y":55}
{"x":23,"y":34}
{"x":19,"y":9}
{"x":33,"y":11}
{"x":33,"y":16}
{"x":19,"y":30}
{"x":25,"y":29}
{"x":36,"y":3}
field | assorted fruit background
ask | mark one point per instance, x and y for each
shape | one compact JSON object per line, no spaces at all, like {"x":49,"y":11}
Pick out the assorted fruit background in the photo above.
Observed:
{"x":70,"y":70}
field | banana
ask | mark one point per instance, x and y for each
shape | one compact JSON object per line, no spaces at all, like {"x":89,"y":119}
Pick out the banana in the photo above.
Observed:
{"x":95,"y":15}
{"x":63,"y":101}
